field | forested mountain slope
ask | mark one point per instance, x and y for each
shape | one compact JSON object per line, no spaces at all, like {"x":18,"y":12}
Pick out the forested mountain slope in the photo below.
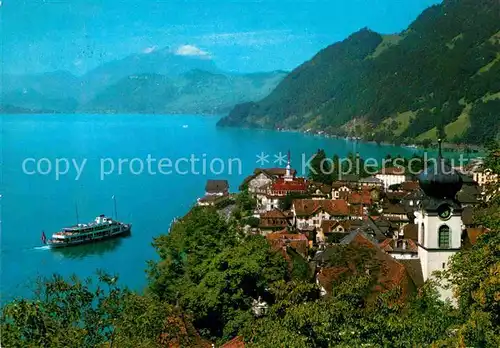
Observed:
{"x":441,"y":76}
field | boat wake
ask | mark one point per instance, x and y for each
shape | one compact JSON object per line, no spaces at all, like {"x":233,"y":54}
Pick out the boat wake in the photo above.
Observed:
{"x":45,"y":247}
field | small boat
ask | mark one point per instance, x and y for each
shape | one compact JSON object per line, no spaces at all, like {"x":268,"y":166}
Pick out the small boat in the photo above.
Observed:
{"x":101,"y":228}
{"x":185,"y":126}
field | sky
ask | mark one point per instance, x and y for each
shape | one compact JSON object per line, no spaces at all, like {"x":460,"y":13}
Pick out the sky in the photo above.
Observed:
{"x":240,"y":36}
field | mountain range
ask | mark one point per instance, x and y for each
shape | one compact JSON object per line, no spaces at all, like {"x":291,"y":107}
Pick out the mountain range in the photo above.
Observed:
{"x":157,"y":82}
{"x":438,"y":78}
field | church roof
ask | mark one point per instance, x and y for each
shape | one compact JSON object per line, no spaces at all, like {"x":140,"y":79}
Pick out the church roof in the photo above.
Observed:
{"x":440,"y":180}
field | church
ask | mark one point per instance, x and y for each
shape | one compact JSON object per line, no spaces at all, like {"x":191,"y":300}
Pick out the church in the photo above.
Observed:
{"x":439,"y":219}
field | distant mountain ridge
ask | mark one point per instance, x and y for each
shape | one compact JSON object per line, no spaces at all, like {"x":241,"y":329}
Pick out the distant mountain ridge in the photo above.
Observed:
{"x":156,"y":82}
{"x":195,"y":92}
{"x":440,"y":77}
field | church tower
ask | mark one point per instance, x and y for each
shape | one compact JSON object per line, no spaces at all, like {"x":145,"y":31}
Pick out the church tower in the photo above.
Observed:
{"x":288,"y":173}
{"x":439,"y":218}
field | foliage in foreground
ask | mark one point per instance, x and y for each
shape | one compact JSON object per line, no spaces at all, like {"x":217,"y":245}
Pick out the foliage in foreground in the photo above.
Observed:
{"x":202,"y":288}
{"x":75,"y":313}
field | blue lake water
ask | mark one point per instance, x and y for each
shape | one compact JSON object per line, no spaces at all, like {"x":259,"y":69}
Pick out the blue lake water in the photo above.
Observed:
{"x":149,"y":200}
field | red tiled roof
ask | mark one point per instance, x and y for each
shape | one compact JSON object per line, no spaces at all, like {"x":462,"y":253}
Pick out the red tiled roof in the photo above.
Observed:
{"x":328,"y":275}
{"x":474,"y":233}
{"x":386,"y":244}
{"x":236,"y":342}
{"x":273,"y":214}
{"x":356,"y":210}
{"x":296,"y":185}
{"x":298,"y":241}
{"x":179,"y":329}
{"x":392,"y":171}
{"x":363,"y":197}
{"x":308,"y":207}
{"x":410,"y":186}
{"x":390,"y":275}
{"x":328,"y":225}
{"x":286,"y":236}
{"x":391,"y":244}
{"x":326,"y":189}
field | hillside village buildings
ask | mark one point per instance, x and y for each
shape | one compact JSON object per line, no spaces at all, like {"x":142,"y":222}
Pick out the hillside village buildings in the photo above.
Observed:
{"x":392,"y":176}
{"x":411,"y":226}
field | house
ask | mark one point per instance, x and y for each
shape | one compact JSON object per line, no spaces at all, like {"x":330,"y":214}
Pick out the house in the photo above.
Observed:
{"x":217,"y":188}
{"x":274,"y":220}
{"x":215,"y":191}
{"x":282,"y":187}
{"x":467,"y":217}
{"x":269,"y":197}
{"x":392,"y":176}
{"x":208,"y":201}
{"x":485,"y":177}
{"x":469,"y":196}
{"x":410,"y":186}
{"x":256,"y":182}
{"x":412,"y":200}
{"x":410,"y":231}
{"x":394,"y":196}
{"x":351,"y":180}
{"x":283,"y":239}
{"x":371,"y":182}
{"x":263,"y":177}
{"x":362,"y":198}
{"x":380,"y":228}
{"x":339,"y":188}
{"x":318,"y":190}
{"x":395,"y":212}
{"x":470,"y":235}
{"x":332,"y":231}
{"x":311,"y":213}
{"x":363,"y":254}
{"x":369,"y":229}
{"x":400,"y":248}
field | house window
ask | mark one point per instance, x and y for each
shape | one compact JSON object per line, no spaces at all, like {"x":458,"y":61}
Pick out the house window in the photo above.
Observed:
{"x":444,"y":237}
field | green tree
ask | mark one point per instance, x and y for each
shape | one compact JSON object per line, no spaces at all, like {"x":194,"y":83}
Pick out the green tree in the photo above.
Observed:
{"x":197,"y":237}
{"x":245,"y":202}
{"x":320,"y":168}
{"x":76,"y":313}
{"x":221,"y":294}
{"x":474,"y":274}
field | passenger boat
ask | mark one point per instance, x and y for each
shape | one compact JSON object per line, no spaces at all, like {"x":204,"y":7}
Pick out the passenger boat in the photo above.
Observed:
{"x":101,"y":228}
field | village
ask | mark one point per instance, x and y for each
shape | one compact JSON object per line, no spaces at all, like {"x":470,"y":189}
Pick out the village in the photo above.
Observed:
{"x":409,"y":227}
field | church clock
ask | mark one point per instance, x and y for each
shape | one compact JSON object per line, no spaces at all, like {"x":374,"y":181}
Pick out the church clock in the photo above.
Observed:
{"x":444,"y":212}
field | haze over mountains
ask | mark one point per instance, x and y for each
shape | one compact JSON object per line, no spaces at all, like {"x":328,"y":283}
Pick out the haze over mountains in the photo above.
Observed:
{"x":155,"y":82}
{"x":440,"y":77}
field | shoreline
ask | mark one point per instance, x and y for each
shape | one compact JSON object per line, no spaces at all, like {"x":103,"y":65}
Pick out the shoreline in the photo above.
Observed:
{"x":447,"y":146}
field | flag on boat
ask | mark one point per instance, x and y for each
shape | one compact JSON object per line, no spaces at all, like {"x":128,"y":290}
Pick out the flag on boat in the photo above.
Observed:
{"x":44,"y":238}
